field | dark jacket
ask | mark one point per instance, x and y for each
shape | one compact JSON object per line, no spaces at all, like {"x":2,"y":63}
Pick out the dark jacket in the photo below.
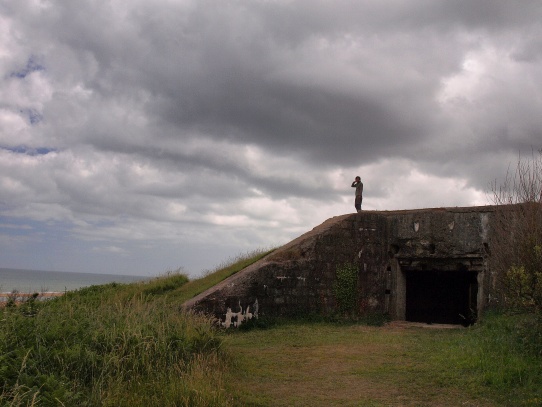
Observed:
{"x":359,"y":187}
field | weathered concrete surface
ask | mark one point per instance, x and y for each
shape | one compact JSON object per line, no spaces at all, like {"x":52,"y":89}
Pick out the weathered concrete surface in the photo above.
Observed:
{"x":391,"y":249}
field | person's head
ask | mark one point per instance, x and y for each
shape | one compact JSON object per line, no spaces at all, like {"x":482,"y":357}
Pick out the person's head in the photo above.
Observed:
{"x":358,"y":179}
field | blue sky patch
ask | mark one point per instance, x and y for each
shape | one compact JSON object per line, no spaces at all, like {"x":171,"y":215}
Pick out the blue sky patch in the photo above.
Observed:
{"x":32,"y":65}
{"x":34,"y":117}
{"x":32,"y":151}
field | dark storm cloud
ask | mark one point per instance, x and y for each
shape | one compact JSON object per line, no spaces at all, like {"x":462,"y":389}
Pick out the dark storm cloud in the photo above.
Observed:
{"x":238,"y":121}
{"x":340,"y":83}
{"x":270,"y":73}
{"x":254,"y":88}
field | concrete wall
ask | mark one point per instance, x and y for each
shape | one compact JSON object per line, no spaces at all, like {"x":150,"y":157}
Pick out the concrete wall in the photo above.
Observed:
{"x":388,"y":248}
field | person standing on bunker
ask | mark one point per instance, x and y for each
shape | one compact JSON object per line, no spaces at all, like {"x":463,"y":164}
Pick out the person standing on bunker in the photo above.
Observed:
{"x":359,"y":193}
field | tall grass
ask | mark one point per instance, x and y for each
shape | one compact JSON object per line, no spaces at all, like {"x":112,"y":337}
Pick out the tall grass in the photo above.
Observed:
{"x":505,"y":354}
{"x":99,"y":347}
{"x":116,"y":345}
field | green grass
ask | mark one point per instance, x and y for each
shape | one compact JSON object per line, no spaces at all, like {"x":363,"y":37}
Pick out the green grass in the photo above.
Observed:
{"x":115,"y":345}
{"x":322,"y":364}
{"x":505,"y":357}
{"x":102,"y":348}
{"x":225,"y":270}
{"x":131,"y":345}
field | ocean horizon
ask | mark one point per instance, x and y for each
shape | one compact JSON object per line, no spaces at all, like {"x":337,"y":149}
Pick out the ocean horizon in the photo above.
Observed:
{"x":41,"y":281}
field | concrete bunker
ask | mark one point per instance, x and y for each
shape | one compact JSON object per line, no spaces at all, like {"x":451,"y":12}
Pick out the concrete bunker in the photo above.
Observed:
{"x":427,"y":265}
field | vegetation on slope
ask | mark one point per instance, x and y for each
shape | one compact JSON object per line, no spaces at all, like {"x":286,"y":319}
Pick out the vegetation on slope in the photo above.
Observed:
{"x":212,"y":278}
{"x":115,"y":345}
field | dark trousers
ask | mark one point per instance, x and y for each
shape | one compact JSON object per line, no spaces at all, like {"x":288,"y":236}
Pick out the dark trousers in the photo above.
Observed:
{"x":357,"y":202}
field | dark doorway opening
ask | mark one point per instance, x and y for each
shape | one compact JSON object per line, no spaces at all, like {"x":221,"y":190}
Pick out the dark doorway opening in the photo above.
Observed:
{"x":442,"y":297}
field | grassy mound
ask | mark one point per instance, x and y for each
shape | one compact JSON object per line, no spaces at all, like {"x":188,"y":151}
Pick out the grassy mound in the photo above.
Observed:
{"x":115,"y":345}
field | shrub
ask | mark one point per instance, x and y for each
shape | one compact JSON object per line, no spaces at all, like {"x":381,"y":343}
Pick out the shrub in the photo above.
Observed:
{"x":346,"y":288}
{"x":517,"y":236}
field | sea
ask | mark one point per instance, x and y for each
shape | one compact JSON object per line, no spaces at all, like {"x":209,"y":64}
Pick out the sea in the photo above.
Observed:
{"x":39,"y":281}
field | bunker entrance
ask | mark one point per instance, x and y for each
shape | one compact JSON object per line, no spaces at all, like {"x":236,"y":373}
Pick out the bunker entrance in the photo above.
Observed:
{"x":443,"y":297}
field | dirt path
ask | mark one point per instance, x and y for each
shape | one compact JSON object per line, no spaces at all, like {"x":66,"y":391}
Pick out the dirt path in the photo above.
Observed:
{"x":322,"y":365}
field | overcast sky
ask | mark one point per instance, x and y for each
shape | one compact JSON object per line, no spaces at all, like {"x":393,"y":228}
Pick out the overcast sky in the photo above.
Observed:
{"x":141,"y":136}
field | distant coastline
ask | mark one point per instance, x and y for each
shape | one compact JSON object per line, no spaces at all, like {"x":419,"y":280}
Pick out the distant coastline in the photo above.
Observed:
{"x":41,"y":281}
{"x":22,"y":297}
